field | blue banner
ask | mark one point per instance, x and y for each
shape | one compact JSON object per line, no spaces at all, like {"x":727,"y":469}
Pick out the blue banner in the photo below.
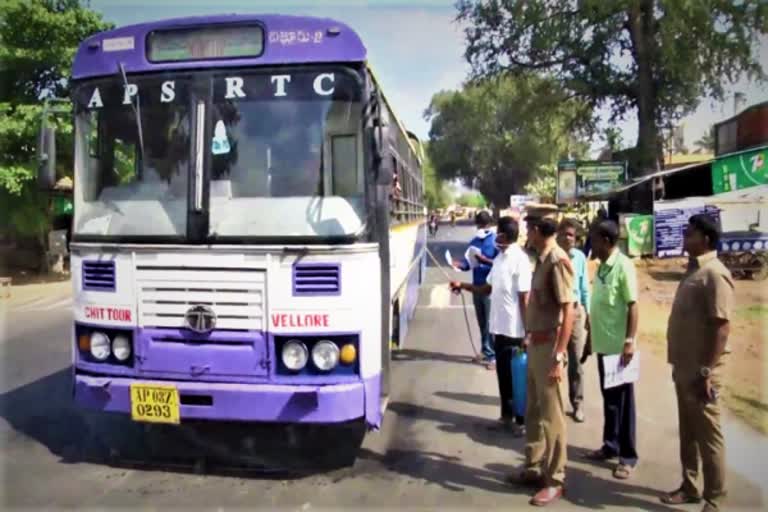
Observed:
{"x":669,"y":224}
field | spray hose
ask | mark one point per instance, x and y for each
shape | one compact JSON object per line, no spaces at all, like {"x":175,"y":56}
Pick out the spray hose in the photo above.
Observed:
{"x":463,"y":302}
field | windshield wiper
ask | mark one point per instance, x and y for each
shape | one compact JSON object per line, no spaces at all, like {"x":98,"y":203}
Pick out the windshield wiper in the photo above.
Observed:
{"x":136,"y":112}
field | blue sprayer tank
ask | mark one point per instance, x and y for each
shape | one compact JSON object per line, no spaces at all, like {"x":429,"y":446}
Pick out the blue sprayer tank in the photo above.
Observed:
{"x":519,"y":380}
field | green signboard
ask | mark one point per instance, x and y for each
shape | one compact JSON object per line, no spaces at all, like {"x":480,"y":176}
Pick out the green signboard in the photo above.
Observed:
{"x":576,"y":180}
{"x":62,"y":206}
{"x":639,"y":235}
{"x":740,"y":171}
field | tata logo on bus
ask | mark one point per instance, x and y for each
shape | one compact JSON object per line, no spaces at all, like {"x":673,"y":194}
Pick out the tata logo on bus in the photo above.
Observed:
{"x":200,"y":319}
{"x":232,"y":88}
{"x":300,"y":320}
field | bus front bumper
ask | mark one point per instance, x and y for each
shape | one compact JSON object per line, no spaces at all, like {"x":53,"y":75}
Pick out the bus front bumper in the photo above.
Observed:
{"x":332,"y":403}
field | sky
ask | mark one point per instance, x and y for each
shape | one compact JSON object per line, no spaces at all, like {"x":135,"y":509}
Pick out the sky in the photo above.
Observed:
{"x":415,"y":47}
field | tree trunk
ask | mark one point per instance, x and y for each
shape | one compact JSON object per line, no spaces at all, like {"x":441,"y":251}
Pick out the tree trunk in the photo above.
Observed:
{"x":641,"y":25}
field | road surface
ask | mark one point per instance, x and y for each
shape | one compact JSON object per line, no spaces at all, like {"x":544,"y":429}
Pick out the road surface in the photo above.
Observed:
{"x":435,"y":449}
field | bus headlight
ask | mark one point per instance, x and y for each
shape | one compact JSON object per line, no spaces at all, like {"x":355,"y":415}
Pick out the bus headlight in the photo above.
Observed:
{"x":325,"y":355}
{"x":100,"y":347}
{"x":295,"y":355}
{"x":121,"y":348}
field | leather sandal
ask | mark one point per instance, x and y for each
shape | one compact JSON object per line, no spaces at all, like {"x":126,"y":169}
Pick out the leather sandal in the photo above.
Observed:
{"x":678,"y":497}
{"x":622,"y":472}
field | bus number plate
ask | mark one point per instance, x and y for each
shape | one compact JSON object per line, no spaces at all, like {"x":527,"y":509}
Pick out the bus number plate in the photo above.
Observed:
{"x":154,"y":403}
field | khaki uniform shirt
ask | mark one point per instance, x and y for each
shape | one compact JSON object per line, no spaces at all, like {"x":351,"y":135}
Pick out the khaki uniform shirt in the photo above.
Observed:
{"x":704,"y":295}
{"x":551,"y":287}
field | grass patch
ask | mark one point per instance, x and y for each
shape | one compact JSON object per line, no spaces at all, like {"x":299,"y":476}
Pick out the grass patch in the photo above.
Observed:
{"x":750,"y":408}
{"x":746,"y":389}
{"x":652,"y":328}
{"x":753,"y":312}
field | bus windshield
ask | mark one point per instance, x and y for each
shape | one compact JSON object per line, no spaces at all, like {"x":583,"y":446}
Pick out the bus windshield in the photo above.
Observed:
{"x":281,"y":154}
{"x":120,"y":191}
{"x":289,"y":162}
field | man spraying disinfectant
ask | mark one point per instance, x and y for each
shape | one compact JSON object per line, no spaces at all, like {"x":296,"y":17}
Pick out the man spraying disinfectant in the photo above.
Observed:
{"x":479,"y":258}
{"x":507,"y":285}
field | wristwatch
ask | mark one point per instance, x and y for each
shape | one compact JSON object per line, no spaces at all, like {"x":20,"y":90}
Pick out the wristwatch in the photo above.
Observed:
{"x":629,"y":341}
{"x":560,"y":357}
{"x":705,"y":372}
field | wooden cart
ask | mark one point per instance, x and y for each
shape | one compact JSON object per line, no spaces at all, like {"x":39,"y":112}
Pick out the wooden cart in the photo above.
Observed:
{"x":745,"y":253}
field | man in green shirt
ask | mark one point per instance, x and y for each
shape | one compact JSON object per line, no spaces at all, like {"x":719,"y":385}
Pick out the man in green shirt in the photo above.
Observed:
{"x":613,"y":325}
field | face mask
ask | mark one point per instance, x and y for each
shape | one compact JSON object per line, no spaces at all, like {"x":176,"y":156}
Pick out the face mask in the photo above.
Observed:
{"x":482,"y":233}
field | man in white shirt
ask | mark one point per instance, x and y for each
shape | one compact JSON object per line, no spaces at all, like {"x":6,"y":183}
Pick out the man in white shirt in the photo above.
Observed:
{"x":508,"y":285}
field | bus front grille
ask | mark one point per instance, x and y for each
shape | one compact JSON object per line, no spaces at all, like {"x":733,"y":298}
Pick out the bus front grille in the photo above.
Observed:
{"x":236,"y":295}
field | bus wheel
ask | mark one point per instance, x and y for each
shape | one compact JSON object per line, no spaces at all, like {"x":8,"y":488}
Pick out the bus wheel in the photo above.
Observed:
{"x":335,"y":446}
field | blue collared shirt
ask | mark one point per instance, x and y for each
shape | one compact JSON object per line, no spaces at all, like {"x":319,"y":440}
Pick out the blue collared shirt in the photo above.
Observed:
{"x":580,"y":278}
{"x":487,"y":246}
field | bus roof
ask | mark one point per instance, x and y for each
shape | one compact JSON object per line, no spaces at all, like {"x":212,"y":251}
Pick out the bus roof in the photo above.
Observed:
{"x":287,"y":40}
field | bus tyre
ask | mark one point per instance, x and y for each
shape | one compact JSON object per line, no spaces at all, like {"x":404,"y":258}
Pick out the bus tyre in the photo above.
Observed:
{"x":339,"y":444}
{"x":200,"y":466}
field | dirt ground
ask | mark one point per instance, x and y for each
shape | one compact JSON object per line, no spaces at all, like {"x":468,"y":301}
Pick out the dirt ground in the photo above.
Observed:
{"x":746,"y":393}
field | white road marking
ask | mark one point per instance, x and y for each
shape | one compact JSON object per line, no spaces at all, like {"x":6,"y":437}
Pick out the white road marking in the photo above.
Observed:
{"x":439,"y":297}
{"x":43,"y":305}
{"x":30,"y":302}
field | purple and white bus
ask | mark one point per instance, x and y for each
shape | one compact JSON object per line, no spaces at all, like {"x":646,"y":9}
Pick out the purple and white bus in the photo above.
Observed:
{"x":249,"y":229}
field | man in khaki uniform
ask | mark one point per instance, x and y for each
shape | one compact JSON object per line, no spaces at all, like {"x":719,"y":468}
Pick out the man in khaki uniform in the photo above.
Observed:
{"x":697,"y":337}
{"x":549,"y":320}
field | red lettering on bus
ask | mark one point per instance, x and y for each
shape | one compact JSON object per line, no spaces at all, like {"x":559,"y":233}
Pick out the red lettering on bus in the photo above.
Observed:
{"x":94,"y":313}
{"x":119,"y":315}
{"x":300,"y":320}
{"x":101,"y":313}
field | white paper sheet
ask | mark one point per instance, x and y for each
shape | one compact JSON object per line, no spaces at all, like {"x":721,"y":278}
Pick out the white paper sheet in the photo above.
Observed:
{"x":616,"y":374}
{"x":472,"y":251}
{"x":449,"y":260}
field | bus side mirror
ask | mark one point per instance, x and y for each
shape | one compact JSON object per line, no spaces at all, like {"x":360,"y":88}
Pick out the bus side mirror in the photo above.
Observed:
{"x":46,"y":158}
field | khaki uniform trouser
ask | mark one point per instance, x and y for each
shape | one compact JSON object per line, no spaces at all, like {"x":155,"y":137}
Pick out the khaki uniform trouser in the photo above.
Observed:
{"x":546,"y":442}
{"x":702,"y":447}
{"x":575,"y":351}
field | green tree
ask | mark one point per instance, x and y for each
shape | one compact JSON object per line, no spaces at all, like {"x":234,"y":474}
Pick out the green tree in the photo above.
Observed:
{"x":494,"y":135}
{"x":706,"y":144}
{"x":544,"y":186}
{"x":658,"y":57}
{"x":614,"y":142}
{"x":472,"y":200}
{"x":38,"y":40}
{"x":435,"y":190}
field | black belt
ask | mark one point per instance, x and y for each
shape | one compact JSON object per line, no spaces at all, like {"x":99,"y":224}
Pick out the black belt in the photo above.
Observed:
{"x":507,"y":340}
